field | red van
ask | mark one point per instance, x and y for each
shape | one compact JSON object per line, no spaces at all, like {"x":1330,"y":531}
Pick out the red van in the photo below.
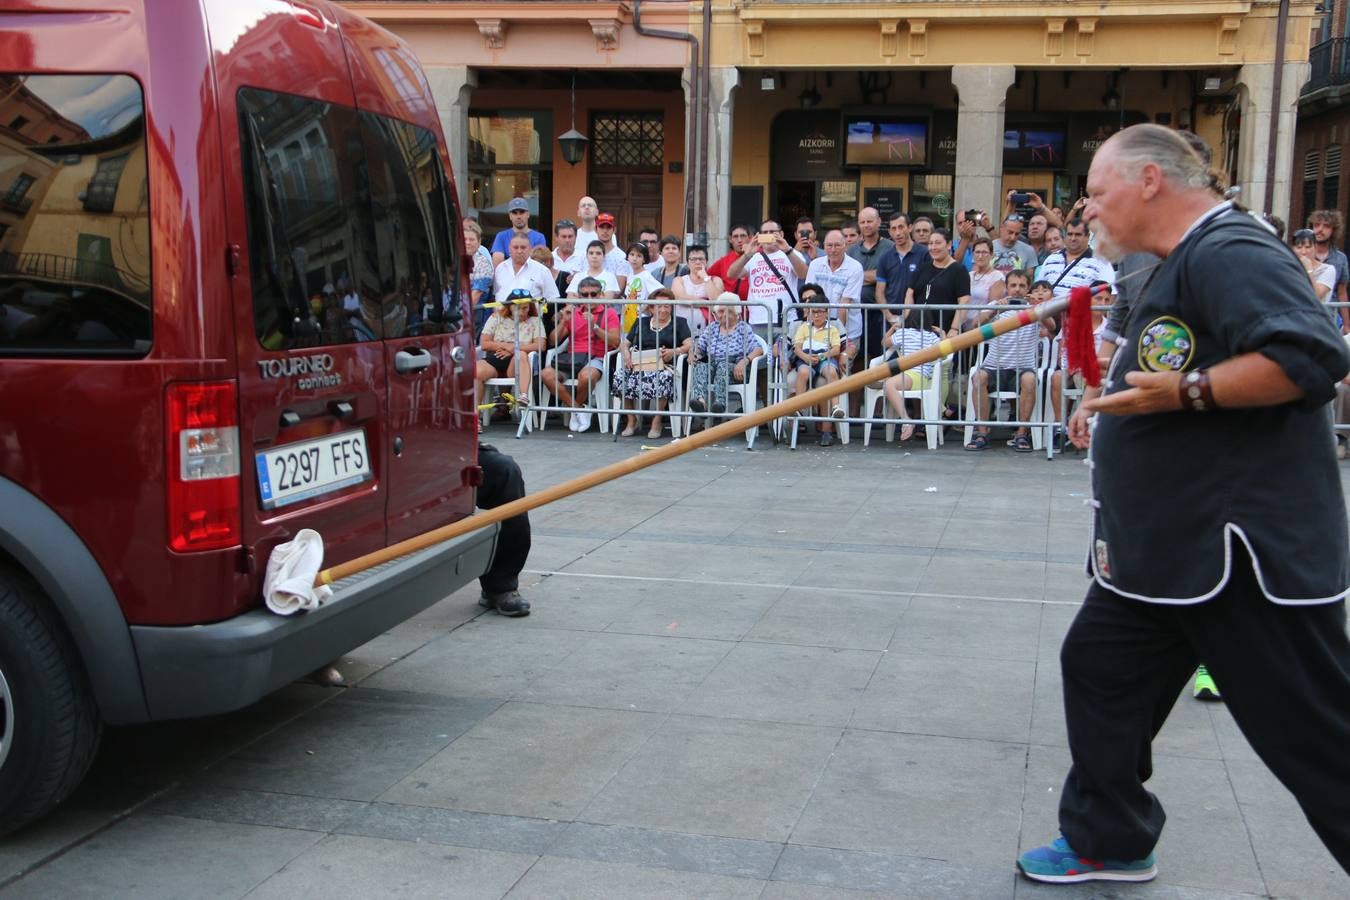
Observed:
{"x":231,"y":307}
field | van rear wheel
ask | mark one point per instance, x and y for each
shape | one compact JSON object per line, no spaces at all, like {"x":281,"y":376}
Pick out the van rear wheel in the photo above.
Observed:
{"x":49,"y":725}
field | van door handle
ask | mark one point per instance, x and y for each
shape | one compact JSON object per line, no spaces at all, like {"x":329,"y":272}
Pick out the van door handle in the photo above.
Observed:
{"x":412,"y":360}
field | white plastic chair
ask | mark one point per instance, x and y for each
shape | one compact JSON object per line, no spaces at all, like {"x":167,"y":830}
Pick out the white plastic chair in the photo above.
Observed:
{"x":599,"y":398}
{"x":930,"y":400}
{"x":747,"y":392}
{"x":1071,"y":389}
{"x":1038,"y":435}
{"x":508,"y":384}
{"x":675,"y":402}
{"x":841,"y":426}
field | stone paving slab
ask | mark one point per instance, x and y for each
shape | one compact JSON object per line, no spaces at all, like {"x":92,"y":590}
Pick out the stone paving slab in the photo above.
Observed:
{"x":715,"y":697}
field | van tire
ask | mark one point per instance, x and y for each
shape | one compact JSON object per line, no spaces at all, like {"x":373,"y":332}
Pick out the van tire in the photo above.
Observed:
{"x":48,"y":719}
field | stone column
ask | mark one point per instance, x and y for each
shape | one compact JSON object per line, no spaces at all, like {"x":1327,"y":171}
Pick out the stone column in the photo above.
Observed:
{"x":983,"y":92}
{"x":452,"y":87}
{"x":722,"y":84}
{"x":1254,"y":80}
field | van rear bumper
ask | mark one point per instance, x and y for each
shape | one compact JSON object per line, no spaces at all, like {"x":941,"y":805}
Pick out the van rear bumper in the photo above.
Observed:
{"x":202,"y":670}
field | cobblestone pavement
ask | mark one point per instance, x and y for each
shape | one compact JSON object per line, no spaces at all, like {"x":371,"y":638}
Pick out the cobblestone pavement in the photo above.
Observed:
{"x":807,"y":674}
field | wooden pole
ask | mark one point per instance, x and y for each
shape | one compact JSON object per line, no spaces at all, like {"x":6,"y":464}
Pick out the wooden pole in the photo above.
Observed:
{"x":727,"y":429}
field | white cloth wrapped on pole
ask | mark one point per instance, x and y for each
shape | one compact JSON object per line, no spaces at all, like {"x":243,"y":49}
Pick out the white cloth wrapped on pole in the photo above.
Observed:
{"x":288,"y":587}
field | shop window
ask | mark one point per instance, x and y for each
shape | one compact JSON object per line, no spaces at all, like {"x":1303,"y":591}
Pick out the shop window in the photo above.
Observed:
{"x":931,"y":195}
{"x":510,"y":155}
{"x":628,"y":140}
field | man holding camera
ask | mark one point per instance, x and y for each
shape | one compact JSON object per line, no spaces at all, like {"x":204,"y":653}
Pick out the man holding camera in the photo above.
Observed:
{"x":806,"y":245}
{"x":1010,"y":252}
{"x":773,"y":273}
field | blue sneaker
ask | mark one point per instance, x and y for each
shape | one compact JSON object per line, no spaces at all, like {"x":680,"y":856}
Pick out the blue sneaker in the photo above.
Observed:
{"x":1058,"y":864}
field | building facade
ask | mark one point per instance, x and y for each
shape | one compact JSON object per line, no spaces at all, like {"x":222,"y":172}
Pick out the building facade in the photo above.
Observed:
{"x":1323,"y":119}
{"x":701,"y":114}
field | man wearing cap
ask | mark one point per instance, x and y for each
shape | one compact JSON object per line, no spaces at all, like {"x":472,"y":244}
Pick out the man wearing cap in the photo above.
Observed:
{"x":519,"y":211}
{"x":616,"y":260}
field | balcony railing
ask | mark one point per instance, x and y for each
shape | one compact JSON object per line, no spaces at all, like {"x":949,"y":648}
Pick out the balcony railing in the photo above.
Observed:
{"x":1330,"y":62}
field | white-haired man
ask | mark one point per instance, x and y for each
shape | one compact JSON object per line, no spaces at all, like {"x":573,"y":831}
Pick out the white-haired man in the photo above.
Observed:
{"x":1219,"y":529}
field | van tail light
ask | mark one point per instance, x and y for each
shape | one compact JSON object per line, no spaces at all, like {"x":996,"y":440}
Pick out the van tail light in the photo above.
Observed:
{"x":203,"y":465}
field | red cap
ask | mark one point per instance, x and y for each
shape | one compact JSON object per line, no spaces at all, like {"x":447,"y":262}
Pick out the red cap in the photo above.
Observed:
{"x":604,"y":219}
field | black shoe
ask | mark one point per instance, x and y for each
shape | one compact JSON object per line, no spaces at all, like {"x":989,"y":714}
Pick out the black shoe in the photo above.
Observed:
{"x":719,"y":408}
{"x":826,"y":439}
{"x":507,"y":603}
{"x":697,"y":405}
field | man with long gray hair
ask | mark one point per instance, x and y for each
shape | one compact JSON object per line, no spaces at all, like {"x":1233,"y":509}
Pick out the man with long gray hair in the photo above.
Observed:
{"x":1219,"y":530}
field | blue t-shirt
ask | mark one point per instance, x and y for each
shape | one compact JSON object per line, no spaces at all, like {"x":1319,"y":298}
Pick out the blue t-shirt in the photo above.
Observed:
{"x":502,"y":242}
{"x":895,"y":271}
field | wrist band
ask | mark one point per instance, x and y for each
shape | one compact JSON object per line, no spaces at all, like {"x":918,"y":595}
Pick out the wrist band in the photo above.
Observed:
{"x":1196,"y":392}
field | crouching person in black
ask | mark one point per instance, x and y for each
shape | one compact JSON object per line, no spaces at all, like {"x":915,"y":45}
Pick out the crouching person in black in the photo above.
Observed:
{"x":502,"y":483}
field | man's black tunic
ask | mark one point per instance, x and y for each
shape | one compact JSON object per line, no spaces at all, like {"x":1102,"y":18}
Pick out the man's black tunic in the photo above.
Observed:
{"x":1174,"y":490}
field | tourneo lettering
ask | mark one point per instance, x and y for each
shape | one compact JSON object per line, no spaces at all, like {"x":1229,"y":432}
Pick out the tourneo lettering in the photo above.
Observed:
{"x":290,"y":366}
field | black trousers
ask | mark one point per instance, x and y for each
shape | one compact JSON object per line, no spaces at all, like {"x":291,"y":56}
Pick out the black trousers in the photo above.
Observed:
{"x":502,"y":483}
{"x":1284,"y":672}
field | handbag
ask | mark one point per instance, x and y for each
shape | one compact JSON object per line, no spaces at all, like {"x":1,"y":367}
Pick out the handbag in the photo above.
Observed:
{"x":646,"y":361}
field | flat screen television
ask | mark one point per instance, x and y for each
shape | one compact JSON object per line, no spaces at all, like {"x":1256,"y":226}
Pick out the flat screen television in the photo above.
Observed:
{"x":880,"y":140}
{"x":1035,"y":145}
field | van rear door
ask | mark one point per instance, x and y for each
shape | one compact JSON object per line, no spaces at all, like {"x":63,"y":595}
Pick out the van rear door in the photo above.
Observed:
{"x":429,"y":353}
{"x":312,"y":384}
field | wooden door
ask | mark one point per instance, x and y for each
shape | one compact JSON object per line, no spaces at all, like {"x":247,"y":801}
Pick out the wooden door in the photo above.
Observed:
{"x":627,"y":157}
{"x":633,"y":198}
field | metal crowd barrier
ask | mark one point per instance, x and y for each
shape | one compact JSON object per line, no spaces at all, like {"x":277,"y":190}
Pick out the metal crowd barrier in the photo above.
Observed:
{"x":677,"y":410}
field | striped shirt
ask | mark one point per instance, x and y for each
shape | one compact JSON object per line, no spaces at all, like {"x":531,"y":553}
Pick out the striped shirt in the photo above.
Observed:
{"x":1014,"y":350}
{"x":1065,"y":276}
{"x":912,"y":340}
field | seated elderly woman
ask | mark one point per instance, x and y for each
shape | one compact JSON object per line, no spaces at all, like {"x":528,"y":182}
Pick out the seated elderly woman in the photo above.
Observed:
{"x":723,"y":352}
{"x":816,"y":348}
{"x":649,"y":351}
{"x":510,"y":334}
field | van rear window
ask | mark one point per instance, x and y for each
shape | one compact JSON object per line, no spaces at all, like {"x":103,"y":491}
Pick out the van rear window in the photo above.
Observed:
{"x":74,"y":216}
{"x":347,"y":224}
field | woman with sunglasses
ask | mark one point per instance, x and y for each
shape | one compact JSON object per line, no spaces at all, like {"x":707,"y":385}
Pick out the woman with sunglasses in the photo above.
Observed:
{"x":664,"y":333}
{"x":696,"y":284}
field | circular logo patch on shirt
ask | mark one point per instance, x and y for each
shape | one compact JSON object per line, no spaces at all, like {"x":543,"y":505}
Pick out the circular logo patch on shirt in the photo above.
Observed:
{"x":1166,"y":345}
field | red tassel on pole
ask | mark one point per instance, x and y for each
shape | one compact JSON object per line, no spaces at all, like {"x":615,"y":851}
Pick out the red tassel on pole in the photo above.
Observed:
{"x":1078,"y":340}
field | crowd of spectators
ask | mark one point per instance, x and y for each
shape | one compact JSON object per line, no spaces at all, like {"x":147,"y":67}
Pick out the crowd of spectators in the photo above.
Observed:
{"x":813,"y":306}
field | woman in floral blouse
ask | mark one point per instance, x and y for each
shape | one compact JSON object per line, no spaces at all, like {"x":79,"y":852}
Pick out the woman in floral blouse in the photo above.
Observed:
{"x":723,"y":353}
{"x":509,"y":336}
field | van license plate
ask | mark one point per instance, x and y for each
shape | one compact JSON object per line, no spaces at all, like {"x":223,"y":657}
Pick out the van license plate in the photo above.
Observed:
{"x":295,"y":472}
